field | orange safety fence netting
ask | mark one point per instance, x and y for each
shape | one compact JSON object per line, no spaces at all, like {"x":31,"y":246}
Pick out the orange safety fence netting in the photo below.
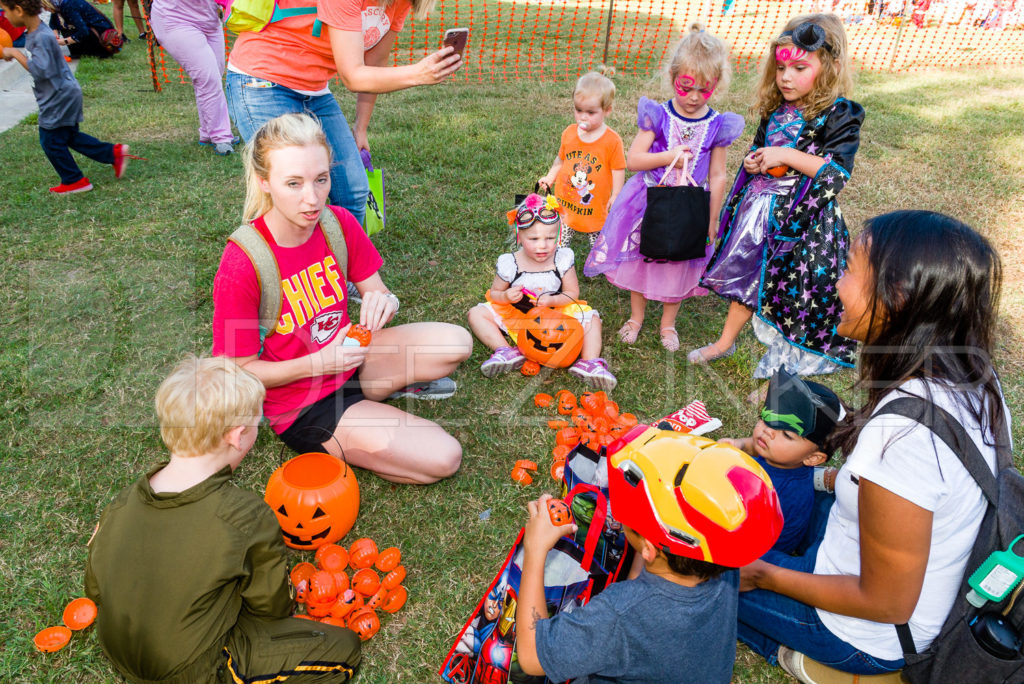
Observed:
{"x":560,"y":39}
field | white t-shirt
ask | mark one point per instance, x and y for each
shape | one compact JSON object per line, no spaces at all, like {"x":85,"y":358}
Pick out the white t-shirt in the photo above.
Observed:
{"x":906,"y":458}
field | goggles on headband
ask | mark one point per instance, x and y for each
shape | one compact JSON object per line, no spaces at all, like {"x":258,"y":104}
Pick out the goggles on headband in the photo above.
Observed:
{"x":808,"y":37}
{"x":534,"y":208}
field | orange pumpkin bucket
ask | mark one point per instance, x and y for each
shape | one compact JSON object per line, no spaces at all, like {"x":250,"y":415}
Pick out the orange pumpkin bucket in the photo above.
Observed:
{"x":80,"y":613}
{"x":315,"y":497}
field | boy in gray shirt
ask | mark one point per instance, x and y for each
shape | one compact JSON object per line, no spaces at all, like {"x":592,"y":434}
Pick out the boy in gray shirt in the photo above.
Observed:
{"x":678,"y":501}
{"x":60,"y":102}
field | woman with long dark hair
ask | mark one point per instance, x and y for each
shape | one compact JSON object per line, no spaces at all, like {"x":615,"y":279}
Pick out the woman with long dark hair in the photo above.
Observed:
{"x":921,"y":292}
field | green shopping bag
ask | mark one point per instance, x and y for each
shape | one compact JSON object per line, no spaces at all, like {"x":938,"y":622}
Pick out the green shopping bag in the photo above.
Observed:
{"x":374,"y":221}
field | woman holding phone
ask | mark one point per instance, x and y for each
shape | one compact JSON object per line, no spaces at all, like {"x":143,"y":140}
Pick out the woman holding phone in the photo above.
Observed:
{"x":285,"y":68}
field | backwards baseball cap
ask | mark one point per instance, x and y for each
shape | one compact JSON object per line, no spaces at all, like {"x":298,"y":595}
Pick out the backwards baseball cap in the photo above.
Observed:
{"x":806,"y":408}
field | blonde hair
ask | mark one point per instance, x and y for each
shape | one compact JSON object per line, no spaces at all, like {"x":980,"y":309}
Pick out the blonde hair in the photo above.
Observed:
{"x":701,"y":55}
{"x":595,"y":83}
{"x":203,"y":399}
{"x":833,"y":81}
{"x":287,"y":130}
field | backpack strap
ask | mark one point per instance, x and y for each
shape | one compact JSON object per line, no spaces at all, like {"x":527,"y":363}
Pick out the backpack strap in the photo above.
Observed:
{"x":947,"y":428}
{"x":331,"y":228}
{"x":267,"y":275}
{"x":255,"y":246}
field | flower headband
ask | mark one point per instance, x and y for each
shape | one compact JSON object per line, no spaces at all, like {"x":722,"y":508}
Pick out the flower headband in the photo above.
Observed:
{"x":535,"y":208}
{"x":809,"y":37}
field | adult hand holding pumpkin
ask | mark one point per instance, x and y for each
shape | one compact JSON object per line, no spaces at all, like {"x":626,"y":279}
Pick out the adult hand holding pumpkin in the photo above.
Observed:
{"x":378,"y":309}
{"x":336,"y":357}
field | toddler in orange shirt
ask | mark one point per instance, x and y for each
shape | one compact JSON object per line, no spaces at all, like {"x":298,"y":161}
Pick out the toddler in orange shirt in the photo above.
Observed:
{"x":590,"y":167}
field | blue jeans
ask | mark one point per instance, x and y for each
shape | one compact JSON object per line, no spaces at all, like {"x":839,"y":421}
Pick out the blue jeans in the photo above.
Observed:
{"x":58,"y":142}
{"x":254,"y":101}
{"x":767,"y":620}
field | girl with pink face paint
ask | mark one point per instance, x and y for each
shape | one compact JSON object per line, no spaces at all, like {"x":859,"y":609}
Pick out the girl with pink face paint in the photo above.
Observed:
{"x":697,"y":67}
{"x":784,"y":240}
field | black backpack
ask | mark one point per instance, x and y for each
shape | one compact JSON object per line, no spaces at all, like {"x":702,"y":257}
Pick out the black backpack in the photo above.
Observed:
{"x":956,"y":654}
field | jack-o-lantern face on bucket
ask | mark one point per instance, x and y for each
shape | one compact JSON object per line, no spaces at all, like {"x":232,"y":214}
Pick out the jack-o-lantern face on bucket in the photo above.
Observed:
{"x":549,"y":337}
{"x":316,"y":500}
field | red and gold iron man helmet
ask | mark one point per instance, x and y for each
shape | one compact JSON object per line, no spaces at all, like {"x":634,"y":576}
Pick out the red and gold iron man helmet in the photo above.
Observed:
{"x":692,"y":496}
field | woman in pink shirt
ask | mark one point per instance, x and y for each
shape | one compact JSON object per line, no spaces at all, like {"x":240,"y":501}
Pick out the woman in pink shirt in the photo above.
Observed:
{"x":323,"y":395}
{"x":285,"y":68}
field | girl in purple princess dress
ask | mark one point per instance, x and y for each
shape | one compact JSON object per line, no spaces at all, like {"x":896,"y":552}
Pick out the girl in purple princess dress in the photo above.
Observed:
{"x":699,"y":65}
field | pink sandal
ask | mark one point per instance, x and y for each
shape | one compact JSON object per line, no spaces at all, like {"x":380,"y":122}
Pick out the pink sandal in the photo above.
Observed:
{"x":670,"y":339}
{"x":629,"y":331}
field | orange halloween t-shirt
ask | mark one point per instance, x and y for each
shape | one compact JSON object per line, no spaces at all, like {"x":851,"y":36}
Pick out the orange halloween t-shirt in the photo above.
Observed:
{"x":584,"y":183}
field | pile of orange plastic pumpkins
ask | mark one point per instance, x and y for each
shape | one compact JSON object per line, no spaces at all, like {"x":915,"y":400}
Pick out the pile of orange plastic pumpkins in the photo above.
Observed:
{"x":594,"y":421}
{"x":351,"y":599}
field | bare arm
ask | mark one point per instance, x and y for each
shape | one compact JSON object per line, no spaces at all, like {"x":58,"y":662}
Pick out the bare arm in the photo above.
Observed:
{"x":377,"y":56}
{"x":17,"y":55}
{"x":618,"y":180}
{"x":501,"y":292}
{"x":570,"y":291}
{"x":539,"y":537}
{"x":639,"y":158}
{"x":770,"y":157}
{"x":895,"y":539}
{"x":716,"y":183}
{"x":329,"y":360}
{"x":360,"y":77}
{"x":548,"y":180}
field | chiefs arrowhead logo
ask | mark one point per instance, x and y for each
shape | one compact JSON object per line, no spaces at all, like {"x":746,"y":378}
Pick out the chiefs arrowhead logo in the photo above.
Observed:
{"x":325,"y":326}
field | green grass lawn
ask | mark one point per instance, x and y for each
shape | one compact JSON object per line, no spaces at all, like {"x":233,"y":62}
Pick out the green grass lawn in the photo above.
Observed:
{"x":105,"y":290}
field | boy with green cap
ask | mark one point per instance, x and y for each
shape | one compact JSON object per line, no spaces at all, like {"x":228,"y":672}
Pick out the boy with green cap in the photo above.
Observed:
{"x":788,"y":442}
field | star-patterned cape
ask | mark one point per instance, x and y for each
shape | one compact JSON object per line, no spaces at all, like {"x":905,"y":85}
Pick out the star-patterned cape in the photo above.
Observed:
{"x":805,"y":250}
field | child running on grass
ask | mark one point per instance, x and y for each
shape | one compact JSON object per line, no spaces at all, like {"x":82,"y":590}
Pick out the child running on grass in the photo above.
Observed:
{"x":60,"y":102}
{"x":688,"y":132}
{"x":590,"y":168}
{"x":539,"y":273}
{"x":190,"y":572}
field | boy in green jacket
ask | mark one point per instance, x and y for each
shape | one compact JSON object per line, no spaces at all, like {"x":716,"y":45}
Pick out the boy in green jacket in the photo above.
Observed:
{"x":189,"y":571}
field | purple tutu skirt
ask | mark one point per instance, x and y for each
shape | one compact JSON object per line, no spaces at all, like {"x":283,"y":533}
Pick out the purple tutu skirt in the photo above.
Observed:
{"x":736,"y":273}
{"x":616,"y":254}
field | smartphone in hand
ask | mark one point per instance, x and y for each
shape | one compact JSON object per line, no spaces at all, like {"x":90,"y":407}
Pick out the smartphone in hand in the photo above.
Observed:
{"x":457,"y":38}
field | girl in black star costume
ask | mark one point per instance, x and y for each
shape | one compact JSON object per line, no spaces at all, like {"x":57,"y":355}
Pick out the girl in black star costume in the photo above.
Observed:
{"x":784,"y":239}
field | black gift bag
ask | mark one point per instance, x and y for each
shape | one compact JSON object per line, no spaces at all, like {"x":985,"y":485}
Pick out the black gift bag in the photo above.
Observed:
{"x":675,"y":224}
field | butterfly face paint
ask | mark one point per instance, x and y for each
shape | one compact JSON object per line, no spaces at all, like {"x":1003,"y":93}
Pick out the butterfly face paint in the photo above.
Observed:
{"x":795,"y":72}
{"x":691,"y":97}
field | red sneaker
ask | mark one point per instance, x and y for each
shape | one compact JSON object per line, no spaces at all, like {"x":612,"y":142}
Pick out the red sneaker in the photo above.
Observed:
{"x":82,"y":185}
{"x":121,"y":158}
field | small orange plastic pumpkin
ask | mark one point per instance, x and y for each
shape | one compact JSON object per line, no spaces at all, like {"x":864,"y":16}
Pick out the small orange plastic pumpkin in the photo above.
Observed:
{"x":52,"y":639}
{"x":323,"y":592}
{"x":347,"y":602}
{"x":542,"y":400}
{"x":394,"y":600}
{"x":526,"y":464}
{"x":549,"y":337}
{"x":377,"y":600}
{"x":393,"y":578}
{"x":362,"y":553}
{"x":627,"y":420}
{"x":316,"y":499}
{"x":301,"y":572}
{"x":558,"y":424}
{"x":341,"y":581}
{"x":331,"y":620}
{"x":303,"y":616}
{"x":366,"y":582}
{"x":589,"y":403}
{"x":561,"y":451}
{"x":778,"y":171}
{"x":557,"y":470}
{"x":529,"y":368}
{"x":522,"y":476}
{"x":5,"y":39}
{"x":567,"y":436}
{"x":388,"y":559}
{"x":80,"y":613}
{"x":566,"y":402}
{"x":364,"y":622}
{"x":360,"y":333}
{"x":332,"y":558}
